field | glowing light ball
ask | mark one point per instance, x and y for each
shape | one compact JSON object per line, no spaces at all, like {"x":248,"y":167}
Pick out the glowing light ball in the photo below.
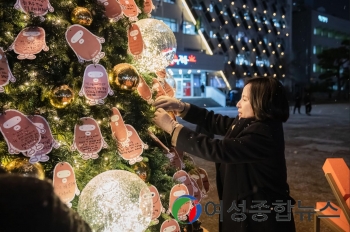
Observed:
{"x":159,"y":45}
{"x":116,"y":200}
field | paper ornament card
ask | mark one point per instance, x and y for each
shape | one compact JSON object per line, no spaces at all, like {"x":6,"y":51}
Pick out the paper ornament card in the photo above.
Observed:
{"x":175,"y":192}
{"x":64,"y":183}
{"x":175,"y":160}
{"x":158,"y":87}
{"x":148,"y":7}
{"x":135,"y":41}
{"x":88,"y":139}
{"x":20,"y":133}
{"x":46,"y":139}
{"x":130,"y":9}
{"x":170,"y":225}
{"x":144,"y":91}
{"x":157,"y":204}
{"x":113,"y":10}
{"x":36,"y":7}
{"x":85,"y":45}
{"x":95,"y":84}
{"x":5,"y":72}
{"x":133,"y":151}
{"x":183,"y":177}
{"x":119,"y":131}
{"x":205,"y":179}
{"x":30,"y":41}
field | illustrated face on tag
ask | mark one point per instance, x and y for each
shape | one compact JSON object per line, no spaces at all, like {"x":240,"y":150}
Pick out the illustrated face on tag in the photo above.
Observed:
{"x":170,"y":226}
{"x":145,"y":202}
{"x":148,"y":6}
{"x":197,"y":177}
{"x":46,"y":139}
{"x":182,"y":177}
{"x":177,"y":191}
{"x":79,"y":39}
{"x":135,"y":41}
{"x":64,"y":182}
{"x":29,"y":41}
{"x":113,"y":10}
{"x":95,"y":84}
{"x":130,"y":8}
{"x":161,"y":73}
{"x":174,"y":159}
{"x":118,"y":127}
{"x":205,"y":179}
{"x":157,"y":204}
{"x":19,"y":132}
{"x":88,"y":139}
{"x":134,"y":149}
{"x":5,"y":72}
{"x":36,"y":7}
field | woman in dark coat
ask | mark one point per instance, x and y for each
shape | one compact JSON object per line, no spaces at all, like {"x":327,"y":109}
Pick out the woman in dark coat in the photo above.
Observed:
{"x":250,"y":161}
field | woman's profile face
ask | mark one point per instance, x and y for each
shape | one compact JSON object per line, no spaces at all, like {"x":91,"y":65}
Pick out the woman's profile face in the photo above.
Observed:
{"x":245,"y":109}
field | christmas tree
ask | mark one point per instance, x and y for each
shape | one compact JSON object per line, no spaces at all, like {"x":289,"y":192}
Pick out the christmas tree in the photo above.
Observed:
{"x":72,"y":69}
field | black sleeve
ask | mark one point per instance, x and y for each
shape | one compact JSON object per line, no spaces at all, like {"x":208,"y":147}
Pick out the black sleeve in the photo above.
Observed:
{"x":213,"y":123}
{"x":249,"y":147}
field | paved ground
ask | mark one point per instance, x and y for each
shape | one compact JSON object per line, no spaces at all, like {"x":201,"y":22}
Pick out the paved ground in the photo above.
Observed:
{"x":309,"y":141}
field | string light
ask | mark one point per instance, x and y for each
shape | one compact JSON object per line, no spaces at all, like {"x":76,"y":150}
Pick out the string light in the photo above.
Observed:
{"x":231,"y":47}
{"x":254,"y":8}
{"x":280,"y":66}
{"x":283,"y":16}
{"x":244,"y":73}
{"x":255,"y":74}
{"x":232,"y":3}
{"x":229,"y":62}
{"x":265,"y":74}
{"x":233,"y":73}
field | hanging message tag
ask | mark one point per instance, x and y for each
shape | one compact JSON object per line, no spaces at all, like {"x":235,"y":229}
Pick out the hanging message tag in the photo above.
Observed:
{"x":194,"y":174}
{"x":113,"y":10}
{"x":197,"y":192}
{"x":88,"y":139}
{"x":36,"y":7}
{"x":205,"y":179}
{"x":20,"y":133}
{"x":130,"y":9}
{"x":85,"y":45}
{"x":167,"y":88}
{"x":144,"y":90}
{"x":135,"y":41}
{"x":133,"y":152}
{"x":64,"y":183}
{"x":148,"y":7}
{"x":119,"y":131}
{"x":158,"y":208}
{"x":175,"y":192}
{"x":46,"y":139}
{"x":95,"y":84}
{"x":182,"y":177}
{"x":175,"y":159}
{"x":157,"y":86}
{"x":29,"y":41}
{"x":5,"y":72}
{"x":170,"y":225}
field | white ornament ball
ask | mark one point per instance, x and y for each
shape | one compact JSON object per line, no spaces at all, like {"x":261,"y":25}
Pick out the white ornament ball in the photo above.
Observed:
{"x":116,"y":200}
{"x":159,"y":46}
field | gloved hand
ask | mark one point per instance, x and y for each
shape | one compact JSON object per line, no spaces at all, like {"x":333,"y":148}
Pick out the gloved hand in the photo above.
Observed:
{"x":169,"y":104}
{"x":163,"y":120}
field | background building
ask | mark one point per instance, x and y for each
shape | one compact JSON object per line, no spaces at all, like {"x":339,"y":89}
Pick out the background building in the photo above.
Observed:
{"x":230,"y":40}
{"x":314,"y":31}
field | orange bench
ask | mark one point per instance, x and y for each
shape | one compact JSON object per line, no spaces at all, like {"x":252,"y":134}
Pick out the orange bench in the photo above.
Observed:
{"x":337,"y":217}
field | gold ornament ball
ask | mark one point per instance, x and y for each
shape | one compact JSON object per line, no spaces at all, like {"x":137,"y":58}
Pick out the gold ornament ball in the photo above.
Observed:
{"x":61,"y":96}
{"x":22,"y":166}
{"x":82,"y":16}
{"x":142,"y":170}
{"x":126,"y":76}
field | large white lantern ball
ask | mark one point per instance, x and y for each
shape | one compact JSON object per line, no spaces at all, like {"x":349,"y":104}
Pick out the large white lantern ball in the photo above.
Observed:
{"x":116,"y":200}
{"x":159,"y":45}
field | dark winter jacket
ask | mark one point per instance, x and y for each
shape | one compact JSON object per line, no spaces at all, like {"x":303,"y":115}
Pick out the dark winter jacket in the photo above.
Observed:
{"x":30,"y":204}
{"x":250,"y":165}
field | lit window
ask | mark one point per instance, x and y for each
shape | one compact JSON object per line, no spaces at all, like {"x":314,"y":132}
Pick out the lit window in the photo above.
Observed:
{"x":189,"y":29}
{"x":171,"y":23}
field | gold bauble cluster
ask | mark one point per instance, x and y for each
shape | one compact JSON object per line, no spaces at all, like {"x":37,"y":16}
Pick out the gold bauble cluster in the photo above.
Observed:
{"x":61,"y":96}
{"x":126,"y":76}
{"x":82,"y":16}
{"x":22,"y":166}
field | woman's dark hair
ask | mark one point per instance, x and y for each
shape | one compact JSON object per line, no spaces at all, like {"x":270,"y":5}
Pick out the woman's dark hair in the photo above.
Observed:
{"x":268,"y":99}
